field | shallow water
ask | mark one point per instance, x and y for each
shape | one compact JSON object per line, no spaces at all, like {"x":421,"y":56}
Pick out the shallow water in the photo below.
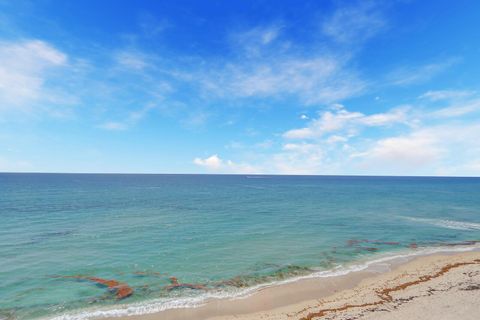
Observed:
{"x":221,"y":233}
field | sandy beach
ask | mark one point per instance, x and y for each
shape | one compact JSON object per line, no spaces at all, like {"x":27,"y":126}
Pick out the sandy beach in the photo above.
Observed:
{"x":440,"y":286}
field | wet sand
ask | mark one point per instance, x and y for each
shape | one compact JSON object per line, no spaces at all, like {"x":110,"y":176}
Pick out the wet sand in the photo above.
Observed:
{"x":440,"y":286}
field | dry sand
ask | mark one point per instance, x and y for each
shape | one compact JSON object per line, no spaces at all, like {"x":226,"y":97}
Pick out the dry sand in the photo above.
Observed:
{"x":441,"y":286}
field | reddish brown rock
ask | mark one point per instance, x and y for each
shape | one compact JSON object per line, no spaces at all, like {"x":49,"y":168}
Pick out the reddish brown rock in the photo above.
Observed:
{"x":121,"y":290}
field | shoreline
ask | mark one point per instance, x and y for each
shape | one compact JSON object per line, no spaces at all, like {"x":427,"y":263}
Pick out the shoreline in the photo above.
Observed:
{"x":358,"y":293}
{"x":273,"y":296}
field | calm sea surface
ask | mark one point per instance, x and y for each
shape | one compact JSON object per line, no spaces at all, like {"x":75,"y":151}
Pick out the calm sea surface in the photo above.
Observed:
{"x":218,"y":235}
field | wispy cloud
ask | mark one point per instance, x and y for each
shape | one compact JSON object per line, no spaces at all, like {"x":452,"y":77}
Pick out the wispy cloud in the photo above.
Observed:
{"x":11,"y":165}
{"x":132,"y":119}
{"x":195,"y":119}
{"x":270,"y":65}
{"x":409,"y":75}
{"x":436,"y":95}
{"x":131,"y":60}
{"x":151,"y":26}
{"x":322,"y":79}
{"x":454,"y":103}
{"x":254,"y":42}
{"x":458,"y":109}
{"x":341,"y":119}
{"x":355,"y":23}
{"x":26,"y":67}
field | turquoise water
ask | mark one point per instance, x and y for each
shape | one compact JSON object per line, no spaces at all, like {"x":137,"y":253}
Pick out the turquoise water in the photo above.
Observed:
{"x":224,"y":234}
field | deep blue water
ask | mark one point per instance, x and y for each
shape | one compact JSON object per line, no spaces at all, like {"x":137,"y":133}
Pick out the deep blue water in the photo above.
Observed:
{"x":223,"y":233}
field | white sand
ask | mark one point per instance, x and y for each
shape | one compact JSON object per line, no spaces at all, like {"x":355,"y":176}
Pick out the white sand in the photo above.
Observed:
{"x":430,"y":287}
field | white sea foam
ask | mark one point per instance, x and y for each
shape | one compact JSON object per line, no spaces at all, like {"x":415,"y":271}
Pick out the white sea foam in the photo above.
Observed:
{"x":449,"y":224}
{"x":162,"y":304}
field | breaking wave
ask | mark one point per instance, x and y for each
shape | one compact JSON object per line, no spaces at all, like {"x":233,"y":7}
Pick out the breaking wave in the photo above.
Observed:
{"x":158,"y":305}
{"x":449,"y":224}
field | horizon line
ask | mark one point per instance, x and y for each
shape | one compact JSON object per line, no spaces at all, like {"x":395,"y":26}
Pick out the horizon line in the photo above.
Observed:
{"x":238,"y":174}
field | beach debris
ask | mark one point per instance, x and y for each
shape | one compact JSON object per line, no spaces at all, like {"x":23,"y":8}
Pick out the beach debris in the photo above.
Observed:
{"x":121,"y":290}
{"x":385,"y":295}
{"x":177,"y":285}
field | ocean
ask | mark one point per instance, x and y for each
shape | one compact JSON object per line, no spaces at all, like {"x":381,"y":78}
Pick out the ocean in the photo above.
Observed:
{"x":74,"y":246}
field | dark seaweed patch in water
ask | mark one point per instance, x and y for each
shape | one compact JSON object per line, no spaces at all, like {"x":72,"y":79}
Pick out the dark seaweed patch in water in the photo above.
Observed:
{"x":48,"y":235}
{"x":6,"y":314}
{"x":266,"y":275}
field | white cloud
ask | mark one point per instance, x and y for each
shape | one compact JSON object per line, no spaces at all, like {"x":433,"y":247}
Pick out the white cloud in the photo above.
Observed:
{"x":299,"y":147}
{"x":132,"y":119}
{"x":10,"y":165}
{"x":341,"y":119}
{"x":151,"y":26}
{"x":114,"y":126}
{"x":458,"y":109}
{"x":336,"y":139}
{"x":211,"y":163}
{"x":404,"y":142}
{"x":298,"y":158}
{"x":418,"y":74}
{"x":24,"y":71}
{"x":270,"y":65}
{"x":436,"y":95}
{"x":253,"y":42}
{"x":432,"y":150}
{"x":315,"y":80}
{"x":471,"y":168}
{"x":215,"y":164}
{"x":354,"y":23}
{"x":404,"y":152}
{"x":195,"y":119}
{"x":131,"y":60}
{"x":401,"y":141}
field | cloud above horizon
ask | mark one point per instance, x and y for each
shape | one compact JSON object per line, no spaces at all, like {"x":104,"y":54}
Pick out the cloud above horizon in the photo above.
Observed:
{"x":349,"y":90}
{"x":401,"y":141}
{"x":27,"y":65}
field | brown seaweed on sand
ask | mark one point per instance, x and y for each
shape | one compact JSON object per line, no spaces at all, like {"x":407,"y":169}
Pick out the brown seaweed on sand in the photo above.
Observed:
{"x":385,"y":295}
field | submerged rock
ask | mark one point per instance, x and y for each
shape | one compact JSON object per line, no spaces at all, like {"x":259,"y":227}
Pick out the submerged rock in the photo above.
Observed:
{"x":121,"y":290}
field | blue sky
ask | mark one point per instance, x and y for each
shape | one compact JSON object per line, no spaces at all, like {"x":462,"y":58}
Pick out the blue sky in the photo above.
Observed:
{"x":284,"y":87}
